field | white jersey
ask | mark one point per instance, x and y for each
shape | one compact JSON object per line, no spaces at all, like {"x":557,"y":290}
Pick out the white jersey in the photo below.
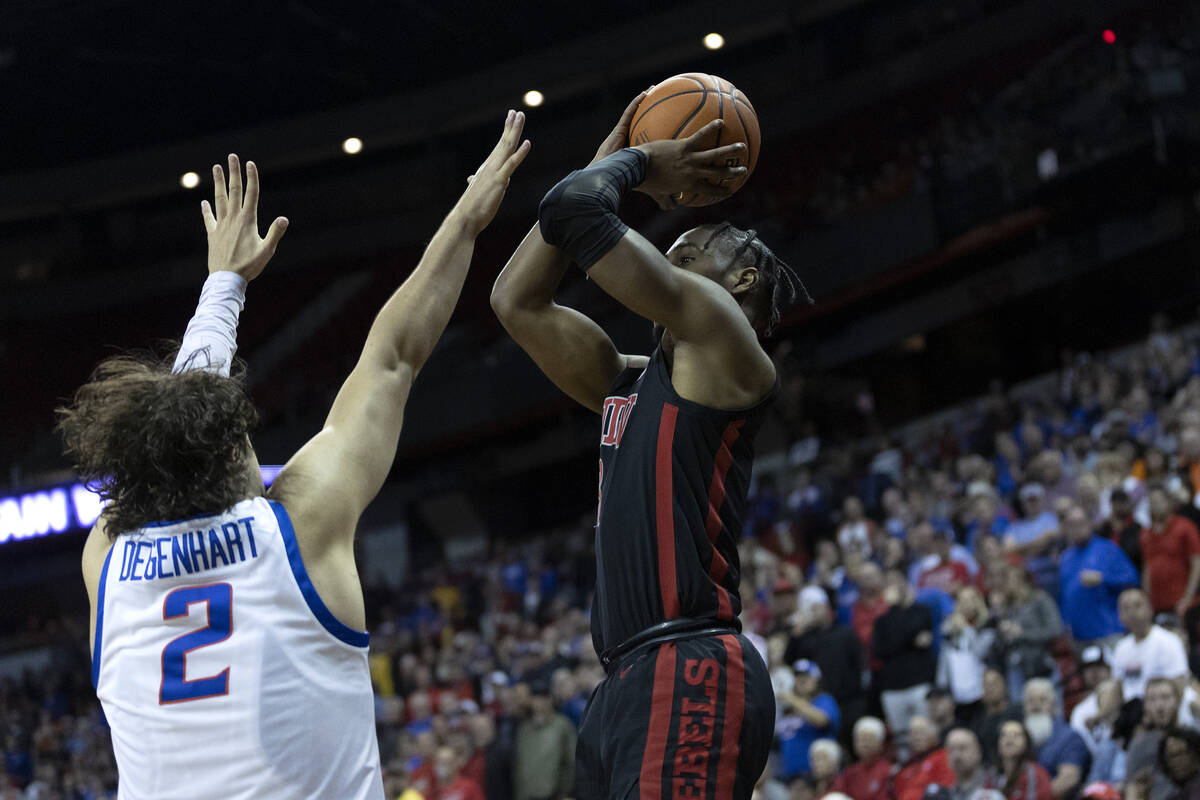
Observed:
{"x":222,"y":673}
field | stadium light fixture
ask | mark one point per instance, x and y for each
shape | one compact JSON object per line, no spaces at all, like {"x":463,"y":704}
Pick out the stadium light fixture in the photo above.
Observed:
{"x":352,"y":146}
{"x":533,"y":98}
{"x":714,"y":41}
{"x":189,"y":180}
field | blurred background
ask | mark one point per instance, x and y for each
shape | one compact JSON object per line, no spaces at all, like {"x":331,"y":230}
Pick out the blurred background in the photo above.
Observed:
{"x":993,"y":202}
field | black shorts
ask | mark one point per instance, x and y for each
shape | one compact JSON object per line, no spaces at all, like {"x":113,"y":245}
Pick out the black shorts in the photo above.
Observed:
{"x":688,"y":719}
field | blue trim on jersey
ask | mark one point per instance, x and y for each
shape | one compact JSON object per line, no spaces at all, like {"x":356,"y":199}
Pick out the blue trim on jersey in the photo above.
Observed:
{"x":315,"y":604}
{"x":100,"y":620}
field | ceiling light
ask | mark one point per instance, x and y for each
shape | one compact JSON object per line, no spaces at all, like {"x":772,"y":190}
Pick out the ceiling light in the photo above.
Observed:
{"x":714,"y":41}
{"x":534,"y":98}
{"x":189,"y":180}
{"x":352,"y":146}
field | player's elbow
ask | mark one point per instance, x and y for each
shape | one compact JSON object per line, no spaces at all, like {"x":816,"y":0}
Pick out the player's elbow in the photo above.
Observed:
{"x":503,"y":298}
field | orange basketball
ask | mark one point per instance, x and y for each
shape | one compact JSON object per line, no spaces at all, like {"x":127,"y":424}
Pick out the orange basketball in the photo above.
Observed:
{"x":683,"y":104}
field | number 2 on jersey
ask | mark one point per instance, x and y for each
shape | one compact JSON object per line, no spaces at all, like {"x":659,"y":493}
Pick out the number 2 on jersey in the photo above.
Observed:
{"x":175,"y":686}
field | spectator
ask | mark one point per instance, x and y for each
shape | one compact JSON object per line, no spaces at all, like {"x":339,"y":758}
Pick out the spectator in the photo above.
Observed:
{"x":1108,"y":734}
{"x":784,"y":604}
{"x":997,"y":708}
{"x":396,"y":783}
{"x":1020,"y":776}
{"x":1060,"y":750}
{"x":869,"y":607}
{"x":1148,"y":650}
{"x":1094,"y":670}
{"x":857,"y":532}
{"x":1122,"y":529}
{"x":1029,"y":623}
{"x":825,"y":760}
{"x":944,"y":573}
{"x":1092,"y":574}
{"x":544,"y":761}
{"x":1035,"y":537}
{"x":1171,"y":554}
{"x":902,"y":640}
{"x":867,"y":779}
{"x":985,"y":519}
{"x":1159,"y":711}
{"x":966,"y":761}
{"x":497,"y":760}
{"x":928,"y":764}
{"x":1179,"y":760}
{"x":808,"y":714}
{"x":942,"y":711}
{"x":836,"y":651}
{"x":453,"y":785}
{"x":423,"y":775}
{"x":967,"y":641}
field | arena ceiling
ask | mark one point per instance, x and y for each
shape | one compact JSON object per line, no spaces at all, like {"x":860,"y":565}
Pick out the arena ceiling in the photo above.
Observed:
{"x":81,"y":79}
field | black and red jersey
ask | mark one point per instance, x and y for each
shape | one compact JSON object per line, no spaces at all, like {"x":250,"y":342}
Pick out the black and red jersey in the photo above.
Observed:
{"x":674,"y":476}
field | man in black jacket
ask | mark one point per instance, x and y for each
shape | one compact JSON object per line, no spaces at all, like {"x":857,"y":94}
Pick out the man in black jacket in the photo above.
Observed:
{"x":902,"y":641}
{"x":837,"y":651}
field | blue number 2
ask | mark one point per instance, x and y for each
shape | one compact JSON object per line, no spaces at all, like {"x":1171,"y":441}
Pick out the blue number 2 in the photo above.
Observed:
{"x":175,"y":687}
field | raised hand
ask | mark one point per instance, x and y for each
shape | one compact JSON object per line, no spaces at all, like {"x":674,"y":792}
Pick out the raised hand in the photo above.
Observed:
{"x":618,"y":138}
{"x":485,"y":190}
{"x":678,"y":166}
{"x":232,"y":224}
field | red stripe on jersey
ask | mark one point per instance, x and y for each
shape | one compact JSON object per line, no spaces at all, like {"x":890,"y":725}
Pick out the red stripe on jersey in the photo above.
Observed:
{"x":661,"y":704}
{"x":664,"y":489}
{"x":717,"y":566}
{"x":735,"y":709}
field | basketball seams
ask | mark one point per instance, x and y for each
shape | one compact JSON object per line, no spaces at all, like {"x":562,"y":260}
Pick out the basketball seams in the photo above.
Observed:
{"x":663,"y":100}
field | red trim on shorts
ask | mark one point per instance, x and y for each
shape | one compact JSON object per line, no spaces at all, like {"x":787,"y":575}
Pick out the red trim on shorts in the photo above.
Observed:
{"x":735,"y":709}
{"x":650,"y":782}
{"x":664,"y":489}
{"x":717,"y":566}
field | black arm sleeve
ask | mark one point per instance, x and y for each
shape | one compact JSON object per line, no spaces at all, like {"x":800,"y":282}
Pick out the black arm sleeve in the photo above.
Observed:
{"x":578,"y":216}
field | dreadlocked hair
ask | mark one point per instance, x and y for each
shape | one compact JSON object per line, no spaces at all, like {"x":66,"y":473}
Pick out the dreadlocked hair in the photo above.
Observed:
{"x":156,"y":445}
{"x":778,"y":286}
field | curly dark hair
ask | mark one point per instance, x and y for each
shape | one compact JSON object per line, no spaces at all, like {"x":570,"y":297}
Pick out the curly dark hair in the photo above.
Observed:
{"x":155,"y":445}
{"x":778,"y":284}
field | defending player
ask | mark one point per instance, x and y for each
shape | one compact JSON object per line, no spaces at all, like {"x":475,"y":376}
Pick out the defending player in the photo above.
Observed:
{"x":687,"y":709}
{"x":228,"y":644}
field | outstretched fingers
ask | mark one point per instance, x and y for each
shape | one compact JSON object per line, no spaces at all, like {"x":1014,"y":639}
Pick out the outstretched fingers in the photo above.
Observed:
{"x":250,"y":204}
{"x":210,"y":221}
{"x":513,"y":161}
{"x":220,"y":193}
{"x":235,"y":184}
{"x":275,"y":233}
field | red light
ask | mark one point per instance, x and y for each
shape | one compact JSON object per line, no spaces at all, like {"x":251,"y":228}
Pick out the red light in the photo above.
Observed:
{"x":1110,"y":37}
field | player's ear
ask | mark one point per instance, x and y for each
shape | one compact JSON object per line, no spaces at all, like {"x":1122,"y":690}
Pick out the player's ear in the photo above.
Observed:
{"x":744,"y":280}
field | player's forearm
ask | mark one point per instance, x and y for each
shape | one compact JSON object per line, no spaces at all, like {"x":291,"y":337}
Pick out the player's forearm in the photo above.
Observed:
{"x":531,"y":276}
{"x":409,"y":325}
{"x":211,"y":337}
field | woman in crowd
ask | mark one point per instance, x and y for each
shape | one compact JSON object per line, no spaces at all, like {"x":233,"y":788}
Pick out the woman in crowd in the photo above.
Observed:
{"x":1179,"y":760}
{"x":967,"y":640}
{"x":1020,"y":776}
{"x":1028,"y":623}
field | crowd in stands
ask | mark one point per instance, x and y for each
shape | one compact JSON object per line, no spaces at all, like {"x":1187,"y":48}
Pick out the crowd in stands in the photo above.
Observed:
{"x":1002,"y":604}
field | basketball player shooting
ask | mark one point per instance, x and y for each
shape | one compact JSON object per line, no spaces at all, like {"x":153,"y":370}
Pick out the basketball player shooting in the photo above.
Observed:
{"x":687,"y":709}
{"x":229,"y":651}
